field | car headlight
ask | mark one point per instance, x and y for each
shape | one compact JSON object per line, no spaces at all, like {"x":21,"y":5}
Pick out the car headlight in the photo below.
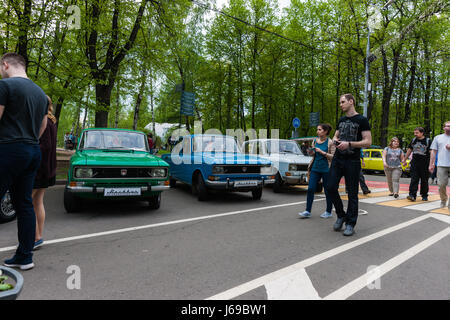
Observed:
{"x":292,"y":167}
{"x":218,"y":170}
{"x":158,"y":172}
{"x":84,"y":173}
{"x":267,"y":170}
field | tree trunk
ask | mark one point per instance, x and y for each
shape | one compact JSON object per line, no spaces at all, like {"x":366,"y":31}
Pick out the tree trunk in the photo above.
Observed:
{"x":427,"y":124}
{"x":388,"y":89}
{"x":411,"y":84}
{"x":139,"y":96}
{"x":103,"y":99}
{"x":24,"y":25}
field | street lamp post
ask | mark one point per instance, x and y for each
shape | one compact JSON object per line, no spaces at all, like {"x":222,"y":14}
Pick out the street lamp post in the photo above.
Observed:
{"x":366,"y":83}
{"x":370,"y":59}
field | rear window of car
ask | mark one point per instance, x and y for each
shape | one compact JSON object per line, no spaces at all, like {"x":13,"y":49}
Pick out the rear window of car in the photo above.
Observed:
{"x":376,"y":154}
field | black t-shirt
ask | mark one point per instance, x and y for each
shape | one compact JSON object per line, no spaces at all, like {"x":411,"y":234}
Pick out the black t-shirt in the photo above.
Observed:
{"x":350,"y":129}
{"x":25,"y":107}
{"x":420,"y":149}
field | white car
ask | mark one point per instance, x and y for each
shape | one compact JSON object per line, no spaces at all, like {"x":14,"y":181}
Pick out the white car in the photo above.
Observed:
{"x":286,"y":157}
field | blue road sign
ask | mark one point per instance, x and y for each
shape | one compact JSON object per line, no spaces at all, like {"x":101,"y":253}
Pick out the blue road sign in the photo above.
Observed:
{"x":187,"y":103}
{"x":296,"y":123}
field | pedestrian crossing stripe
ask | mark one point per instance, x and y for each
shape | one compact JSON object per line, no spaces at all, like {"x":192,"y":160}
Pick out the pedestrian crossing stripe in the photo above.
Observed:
{"x":442,"y":211}
{"x":406,"y":202}
{"x":371,"y":195}
{"x":381,"y":197}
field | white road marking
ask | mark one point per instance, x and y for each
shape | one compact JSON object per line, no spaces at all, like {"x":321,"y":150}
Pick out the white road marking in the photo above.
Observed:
{"x":382,"y":199}
{"x":343,"y":193}
{"x":106,"y":233}
{"x":361,"y":282}
{"x":425,"y":206}
{"x":261,"y":281}
{"x":294,"y":286}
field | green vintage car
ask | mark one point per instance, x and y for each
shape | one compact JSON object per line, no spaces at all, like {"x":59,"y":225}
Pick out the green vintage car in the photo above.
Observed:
{"x":114,"y":164}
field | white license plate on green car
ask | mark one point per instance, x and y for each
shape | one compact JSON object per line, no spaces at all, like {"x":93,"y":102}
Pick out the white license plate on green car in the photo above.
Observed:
{"x":247,"y":183}
{"x":122,"y":192}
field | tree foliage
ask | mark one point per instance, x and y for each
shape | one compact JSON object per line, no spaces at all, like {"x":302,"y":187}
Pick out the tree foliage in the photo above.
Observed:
{"x":254,"y":65}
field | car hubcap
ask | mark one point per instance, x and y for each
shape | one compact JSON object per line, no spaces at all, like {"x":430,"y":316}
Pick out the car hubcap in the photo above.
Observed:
{"x":6,"y":206}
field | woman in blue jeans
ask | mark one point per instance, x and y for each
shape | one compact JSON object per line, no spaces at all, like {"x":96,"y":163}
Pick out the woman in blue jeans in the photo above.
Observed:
{"x":322,"y":151}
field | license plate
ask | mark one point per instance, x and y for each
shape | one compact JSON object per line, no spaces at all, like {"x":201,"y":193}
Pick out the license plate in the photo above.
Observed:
{"x":122,"y":192}
{"x":250,"y":183}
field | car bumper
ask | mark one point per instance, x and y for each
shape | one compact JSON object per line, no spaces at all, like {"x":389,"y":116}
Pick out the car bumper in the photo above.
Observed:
{"x":101,"y":190}
{"x":296,"y":178}
{"x":231,"y":185}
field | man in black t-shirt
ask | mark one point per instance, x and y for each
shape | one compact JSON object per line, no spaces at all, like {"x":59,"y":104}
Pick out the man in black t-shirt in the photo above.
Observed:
{"x":23,"y":119}
{"x":352,"y":134}
{"x":420,"y":148}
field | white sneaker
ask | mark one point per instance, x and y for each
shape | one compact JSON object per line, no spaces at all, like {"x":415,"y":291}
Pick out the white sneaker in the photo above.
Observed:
{"x":304,"y":214}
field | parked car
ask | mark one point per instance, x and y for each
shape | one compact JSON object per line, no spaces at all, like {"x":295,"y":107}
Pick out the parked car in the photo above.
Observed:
{"x":291,"y":164}
{"x":215,"y":162}
{"x":114,"y":164}
{"x":7,"y":212}
{"x":373,"y":162}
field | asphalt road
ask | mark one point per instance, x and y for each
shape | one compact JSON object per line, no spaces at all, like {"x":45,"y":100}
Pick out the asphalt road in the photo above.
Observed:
{"x":232,"y":247}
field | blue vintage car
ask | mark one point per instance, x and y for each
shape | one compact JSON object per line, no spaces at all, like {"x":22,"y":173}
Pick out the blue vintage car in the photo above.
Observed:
{"x":215,"y":162}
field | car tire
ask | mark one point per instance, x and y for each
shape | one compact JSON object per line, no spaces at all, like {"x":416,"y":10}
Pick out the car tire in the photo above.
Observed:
{"x":200,"y":188}
{"x":172,"y":183}
{"x":154,"y":202}
{"x":72,"y":203}
{"x":319,"y":187}
{"x":257,"y":194}
{"x":278,"y":185}
{"x":7,"y":212}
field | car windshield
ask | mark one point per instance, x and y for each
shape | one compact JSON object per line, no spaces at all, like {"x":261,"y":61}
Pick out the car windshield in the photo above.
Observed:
{"x":215,"y":144}
{"x":281,"y":146}
{"x":111,"y":139}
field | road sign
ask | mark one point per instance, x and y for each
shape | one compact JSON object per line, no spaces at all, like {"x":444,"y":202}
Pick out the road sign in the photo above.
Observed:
{"x":314,"y":118}
{"x":187,"y":103}
{"x":296,"y":122}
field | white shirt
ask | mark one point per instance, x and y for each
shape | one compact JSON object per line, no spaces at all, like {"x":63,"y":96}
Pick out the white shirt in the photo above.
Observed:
{"x":439,"y":143}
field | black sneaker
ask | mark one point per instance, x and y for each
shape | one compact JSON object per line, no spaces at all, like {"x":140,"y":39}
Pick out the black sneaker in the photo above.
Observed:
{"x":425,"y":198}
{"x":366,"y":192}
{"x":411,"y":198}
{"x":396,"y":195}
{"x":15,"y":262}
{"x":338,"y":224}
{"x":349,"y":231}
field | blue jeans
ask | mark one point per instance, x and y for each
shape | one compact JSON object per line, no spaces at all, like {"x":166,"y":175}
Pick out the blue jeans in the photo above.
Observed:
{"x":18,"y":166}
{"x":350,"y":169}
{"x":314,"y":179}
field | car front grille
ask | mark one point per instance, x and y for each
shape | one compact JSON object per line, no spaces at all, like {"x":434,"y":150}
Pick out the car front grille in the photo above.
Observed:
{"x":113,"y":173}
{"x":300,"y":167}
{"x":242,"y":169}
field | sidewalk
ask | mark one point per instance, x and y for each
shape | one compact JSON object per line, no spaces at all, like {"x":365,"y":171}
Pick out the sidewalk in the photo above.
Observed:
{"x":62,"y":160}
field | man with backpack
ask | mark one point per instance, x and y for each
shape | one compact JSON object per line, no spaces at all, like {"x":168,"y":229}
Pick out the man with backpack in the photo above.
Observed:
{"x":420,"y":149}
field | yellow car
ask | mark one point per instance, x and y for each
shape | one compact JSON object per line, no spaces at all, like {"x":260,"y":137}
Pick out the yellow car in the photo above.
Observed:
{"x":373,"y":161}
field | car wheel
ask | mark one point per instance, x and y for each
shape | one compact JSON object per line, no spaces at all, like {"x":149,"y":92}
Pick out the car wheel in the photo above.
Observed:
{"x":200,"y":188}
{"x":154,"y":202}
{"x":172,"y":183}
{"x":319,"y":187}
{"x":72,"y":203}
{"x":278,"y":185}
{"x":257,"y":194}
{"x":7,"y":212}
